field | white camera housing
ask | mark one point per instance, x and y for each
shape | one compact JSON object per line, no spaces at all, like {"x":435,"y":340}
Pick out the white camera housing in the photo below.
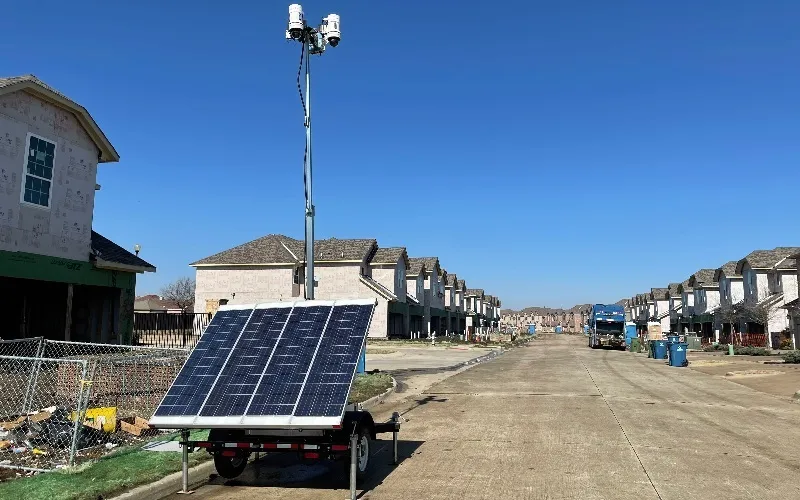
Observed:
{"x":297,"y":22}
{"x":331,"y":29}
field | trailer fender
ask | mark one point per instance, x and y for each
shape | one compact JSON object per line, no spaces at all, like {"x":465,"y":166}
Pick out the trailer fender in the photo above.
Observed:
{"x":362,"y":418}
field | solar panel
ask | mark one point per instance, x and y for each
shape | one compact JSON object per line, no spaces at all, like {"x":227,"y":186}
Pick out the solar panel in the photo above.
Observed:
{"x":286,"y":364}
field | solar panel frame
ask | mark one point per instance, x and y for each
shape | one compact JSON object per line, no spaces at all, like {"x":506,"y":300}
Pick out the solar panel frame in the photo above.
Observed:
{"x":273,"y":421}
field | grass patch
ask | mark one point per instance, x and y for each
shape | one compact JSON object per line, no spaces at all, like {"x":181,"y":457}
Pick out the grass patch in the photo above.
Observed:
{"x":116,"y":472}
{"x":378,"y":350}
{"x":368,"y":385}
{"x":792,"y":357}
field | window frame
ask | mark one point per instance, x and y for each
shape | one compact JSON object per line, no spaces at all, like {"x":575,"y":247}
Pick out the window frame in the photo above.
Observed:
{"x":26,"y":174}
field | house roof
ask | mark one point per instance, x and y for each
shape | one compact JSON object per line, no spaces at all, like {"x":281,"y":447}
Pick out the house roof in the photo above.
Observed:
{"x":451,"y":280}
{"x":727,"y":270}
{"x":787,"y":264}
{"x":416,"y":266}
{"x":107,"y":254}
{"x":701,"y":276}
{"x":474,"y":291}
{"x":766,"y":259}
{"x":658,"y":293}
{"x":280,"y":249}
{"x":431,"y":263}
{"x":153,"y":303}
{"x":460,"y":285}
{"x":673,"y":289}
{"x":36,"y":87}
{"x":390,"y":255}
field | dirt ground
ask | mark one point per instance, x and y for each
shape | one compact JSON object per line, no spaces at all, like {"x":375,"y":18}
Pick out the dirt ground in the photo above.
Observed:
{"x":783,"y":381}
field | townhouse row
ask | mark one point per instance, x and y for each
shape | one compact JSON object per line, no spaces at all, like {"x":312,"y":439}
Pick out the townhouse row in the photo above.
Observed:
{"x":571,"y":320}
{"x":416,"y":297}
{"x":755,"y":295}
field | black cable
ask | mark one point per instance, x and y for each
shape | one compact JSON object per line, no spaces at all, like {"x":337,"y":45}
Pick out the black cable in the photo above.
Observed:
{"x":305,"y":152}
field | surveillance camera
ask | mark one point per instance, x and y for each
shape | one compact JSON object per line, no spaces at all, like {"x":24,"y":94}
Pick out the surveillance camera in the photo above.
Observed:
{"x":296,"y":21}
{"x":331,"y":29}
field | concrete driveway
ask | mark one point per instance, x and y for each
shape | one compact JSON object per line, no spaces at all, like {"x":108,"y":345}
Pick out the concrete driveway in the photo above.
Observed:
{"x":557,"y":420}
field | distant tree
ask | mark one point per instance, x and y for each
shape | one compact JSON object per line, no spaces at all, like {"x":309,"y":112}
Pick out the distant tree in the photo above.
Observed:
{"x":761,"y":314}
{"x":181,"y":292}
{"x":730,"y":314}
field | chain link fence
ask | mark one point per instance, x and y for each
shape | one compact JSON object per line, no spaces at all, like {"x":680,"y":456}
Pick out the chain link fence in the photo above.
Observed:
{"x":70,"y":400}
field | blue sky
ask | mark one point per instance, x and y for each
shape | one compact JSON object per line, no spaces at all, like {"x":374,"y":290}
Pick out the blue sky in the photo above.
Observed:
{"x":551,"y":153}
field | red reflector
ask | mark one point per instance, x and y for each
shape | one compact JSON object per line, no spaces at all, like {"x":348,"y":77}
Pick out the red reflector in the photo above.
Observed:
{"x":311,"y":454}
{"x":295,"y":446}
{"x":228,"y":453}
{"x":270,"y":446}
{"x":337,"y":426}
{"x":203,"y":445}
{"x":339,"y":447}
{"x":243,"y":445}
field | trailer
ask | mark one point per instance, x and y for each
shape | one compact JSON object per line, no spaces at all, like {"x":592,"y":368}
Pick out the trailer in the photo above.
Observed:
{"x":607,"y":326}
{"x":276,"y":378}
{"x":349,"y":444}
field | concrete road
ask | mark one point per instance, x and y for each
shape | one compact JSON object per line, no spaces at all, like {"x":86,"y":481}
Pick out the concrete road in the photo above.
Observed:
{"x":421,"y":358}
{"x":557,"y":420}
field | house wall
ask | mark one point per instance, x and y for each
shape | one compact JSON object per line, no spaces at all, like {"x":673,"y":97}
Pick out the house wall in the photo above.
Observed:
{"x":688,"y":303}
{"x":254,"y":284}
{"x":416,"y":287}
{"x":711,"y":298}
{"x":434,"y":287}
{"x":393,"y":278}
{"x":699,"y":301}
{"x":63,"y":229}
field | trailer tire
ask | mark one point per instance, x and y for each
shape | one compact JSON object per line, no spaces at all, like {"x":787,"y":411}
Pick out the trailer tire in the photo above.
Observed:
{"x":230,"y":467}
{"x":362,"y":457}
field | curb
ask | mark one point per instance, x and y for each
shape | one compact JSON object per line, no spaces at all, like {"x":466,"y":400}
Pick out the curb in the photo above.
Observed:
{"x":169,"y":485}
{"x":377,"y":399}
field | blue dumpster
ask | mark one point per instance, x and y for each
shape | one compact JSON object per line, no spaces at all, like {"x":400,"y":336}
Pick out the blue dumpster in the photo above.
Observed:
{"x":630,"y":333}
{"x":531,"y":329}
{"x":660,"y":349}
{"x":677,"y":354}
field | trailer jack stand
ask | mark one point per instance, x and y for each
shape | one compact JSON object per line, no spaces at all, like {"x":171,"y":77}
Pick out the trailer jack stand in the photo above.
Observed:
{"x":395,"y":420}
{"x":353,"y":463}
{"x":185,"y":463}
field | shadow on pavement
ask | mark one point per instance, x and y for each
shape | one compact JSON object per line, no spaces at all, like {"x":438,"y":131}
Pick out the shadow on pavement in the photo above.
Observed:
{"x":288,"y":470}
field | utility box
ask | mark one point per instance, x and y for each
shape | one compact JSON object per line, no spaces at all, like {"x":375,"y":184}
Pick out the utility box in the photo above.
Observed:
{"x":654,"y":331}
{"x":694,"y":342}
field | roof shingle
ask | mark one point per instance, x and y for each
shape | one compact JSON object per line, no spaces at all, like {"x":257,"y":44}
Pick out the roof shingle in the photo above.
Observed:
{"x":766,"y":259}
{"x":107,"y":250}
{"x":280,"y":249}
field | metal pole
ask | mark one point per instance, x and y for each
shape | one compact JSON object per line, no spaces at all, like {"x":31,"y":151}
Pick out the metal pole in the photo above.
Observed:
{"x":307,"y":167}
{"x":185,"y":461}
{"x":395,"y":419}
{"x":353,"y":464}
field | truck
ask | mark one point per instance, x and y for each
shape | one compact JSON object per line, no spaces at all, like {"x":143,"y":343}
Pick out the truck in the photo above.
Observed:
{"x":607,"y":326}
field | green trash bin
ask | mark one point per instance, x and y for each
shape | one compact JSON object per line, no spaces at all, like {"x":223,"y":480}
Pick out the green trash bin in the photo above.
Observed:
{"x":636,"y":344}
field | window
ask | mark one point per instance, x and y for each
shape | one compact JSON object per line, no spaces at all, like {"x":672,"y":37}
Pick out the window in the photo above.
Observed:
{"x":297,"y":276}
{"x":38,"y":171}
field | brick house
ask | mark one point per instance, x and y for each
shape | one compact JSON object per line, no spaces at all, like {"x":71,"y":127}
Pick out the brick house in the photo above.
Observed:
{"x":59,"y":278}
{"x":271,"y":269}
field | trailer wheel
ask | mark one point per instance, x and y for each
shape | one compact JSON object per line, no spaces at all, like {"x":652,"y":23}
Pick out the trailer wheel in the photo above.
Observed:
{"x":364,"y":448}
{"x":362,"y":456}
{"x":230,"y":467}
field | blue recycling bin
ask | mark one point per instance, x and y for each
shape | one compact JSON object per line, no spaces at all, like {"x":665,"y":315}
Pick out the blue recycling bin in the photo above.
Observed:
{"x":532,"y":329}
{"x":660,"y":349}
{"x":673,"y":338}
{"x":677,"y":354}
{"x":559,"y":329}
{"x":362,"y":362}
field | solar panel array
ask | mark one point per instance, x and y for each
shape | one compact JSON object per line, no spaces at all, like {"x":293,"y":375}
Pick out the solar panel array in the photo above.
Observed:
{"x":285,"y":364}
